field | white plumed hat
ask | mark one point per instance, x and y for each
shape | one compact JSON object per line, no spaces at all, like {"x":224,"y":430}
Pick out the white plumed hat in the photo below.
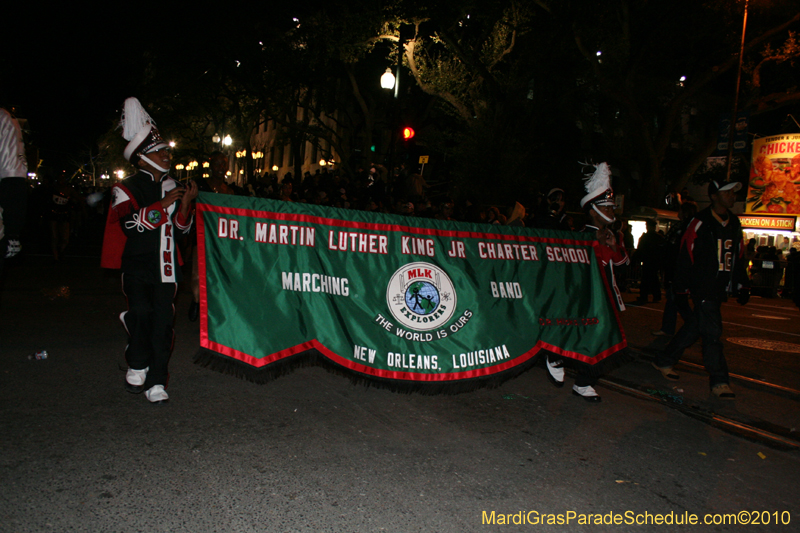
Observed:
{"x":140,"y":130}
{"x":598,"y":187}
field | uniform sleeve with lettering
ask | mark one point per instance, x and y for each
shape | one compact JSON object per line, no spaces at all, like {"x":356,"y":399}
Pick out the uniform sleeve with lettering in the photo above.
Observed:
{"x":135,"y":219}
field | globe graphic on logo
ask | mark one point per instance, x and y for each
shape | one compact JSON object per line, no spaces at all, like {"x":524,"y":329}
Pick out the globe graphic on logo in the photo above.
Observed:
{"x":422,"y":298}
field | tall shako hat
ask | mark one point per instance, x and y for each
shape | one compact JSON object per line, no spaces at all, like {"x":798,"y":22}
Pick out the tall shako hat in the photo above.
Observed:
{"x":140,"y":130}
{"x":598,"y":187}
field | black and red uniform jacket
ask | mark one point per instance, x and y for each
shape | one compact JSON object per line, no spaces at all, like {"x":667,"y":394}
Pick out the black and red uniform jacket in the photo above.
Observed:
{"x":608,"y":259}
{"x":711,"y":262}
{"x":140,"y":235}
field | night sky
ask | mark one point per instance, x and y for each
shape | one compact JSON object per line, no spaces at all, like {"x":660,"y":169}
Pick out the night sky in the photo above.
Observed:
{"x":68,"y":72}
{"x":68,"y":69}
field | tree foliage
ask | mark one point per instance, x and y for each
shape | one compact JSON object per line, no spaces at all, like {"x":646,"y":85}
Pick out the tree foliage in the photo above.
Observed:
{"x":509,"y":94}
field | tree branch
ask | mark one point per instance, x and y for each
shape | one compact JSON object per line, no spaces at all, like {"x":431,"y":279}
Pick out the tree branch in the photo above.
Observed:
{"x":451,"y":99}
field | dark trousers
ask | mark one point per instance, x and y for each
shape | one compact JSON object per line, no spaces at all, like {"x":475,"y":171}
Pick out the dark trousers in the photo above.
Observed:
{"x":14,"y":201}
{"x":586,"y":375}
{"x":650,"y":284}
{"x":670,"y":319}
{"x":148,"y":321}
{"x":705,"y":323}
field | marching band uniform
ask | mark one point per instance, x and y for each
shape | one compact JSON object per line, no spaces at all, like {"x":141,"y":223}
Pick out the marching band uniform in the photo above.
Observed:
{"x":13,"y":186}
{"x":140,"y":239}
{"x":599,"y":204}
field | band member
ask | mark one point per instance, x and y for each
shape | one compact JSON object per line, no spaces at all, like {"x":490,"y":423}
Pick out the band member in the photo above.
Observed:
{"x":598,"y":204}
{"x":149,"y":211}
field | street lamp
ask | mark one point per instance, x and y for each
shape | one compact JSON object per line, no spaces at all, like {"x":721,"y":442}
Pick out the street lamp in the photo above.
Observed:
{"x":216,"y":138}
{"x":387,"y":80}
{"x":227,"y":141}
{"x":258,"y":156}
{"x":736,"y":98}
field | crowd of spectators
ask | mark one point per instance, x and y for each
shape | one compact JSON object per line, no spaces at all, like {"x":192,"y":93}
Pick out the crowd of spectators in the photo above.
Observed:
{"x":373,"y":188}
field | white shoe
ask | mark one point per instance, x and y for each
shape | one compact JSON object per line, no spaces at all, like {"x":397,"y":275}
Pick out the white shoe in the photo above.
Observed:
{"x":157,"y":394}
{"x":587,"y":393}
{"x":136,"y":377}
{"x":134,"y":380}
{"x":555,"y":372}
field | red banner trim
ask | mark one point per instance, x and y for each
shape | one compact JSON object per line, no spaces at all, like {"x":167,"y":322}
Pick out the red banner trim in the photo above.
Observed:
{"x":205,"y":342}
{"x":399,"y":375}
{"x":236,"y":211}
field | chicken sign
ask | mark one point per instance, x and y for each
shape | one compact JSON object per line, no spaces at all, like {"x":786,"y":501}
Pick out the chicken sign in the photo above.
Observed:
{"x":775,"y":176}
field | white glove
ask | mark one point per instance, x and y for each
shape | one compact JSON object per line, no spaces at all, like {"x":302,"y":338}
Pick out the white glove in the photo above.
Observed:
{"x":14,"y":247}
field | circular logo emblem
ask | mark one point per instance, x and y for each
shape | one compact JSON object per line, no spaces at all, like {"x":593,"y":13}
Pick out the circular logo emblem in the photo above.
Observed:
{"x":153,"y":216}
{"x":421,"y":296}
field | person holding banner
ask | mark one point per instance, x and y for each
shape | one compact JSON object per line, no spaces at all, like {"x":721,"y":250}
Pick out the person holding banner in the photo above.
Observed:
{"x":142,"y":226}
{"x":598,"y":204}
{"x":553,"y":214}
{"x":710,"y":266}
{"x":13,"y":186}
{"x":218,"y":162}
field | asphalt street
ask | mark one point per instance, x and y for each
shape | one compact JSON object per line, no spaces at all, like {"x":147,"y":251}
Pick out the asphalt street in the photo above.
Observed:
{"x":312,"y":452}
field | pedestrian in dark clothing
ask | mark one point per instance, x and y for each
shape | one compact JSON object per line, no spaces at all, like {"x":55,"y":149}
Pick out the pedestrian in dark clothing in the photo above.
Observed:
{"x":672,"y":246}
{"x":552,"y":214}
{"x":793,"y":275}
{"x":710,"y":267}
{"x":648,"y":253}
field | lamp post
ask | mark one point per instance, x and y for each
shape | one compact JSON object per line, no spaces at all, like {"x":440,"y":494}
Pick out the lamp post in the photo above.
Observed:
{"x":391,"y":81}
{"x":240,"y":161}
{"x":257,"y":157}
{"x":388,"y":79}
{"x":732,"y":126}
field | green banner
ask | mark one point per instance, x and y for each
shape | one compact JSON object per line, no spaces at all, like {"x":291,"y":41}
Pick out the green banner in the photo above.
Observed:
{"x":393,"y":299}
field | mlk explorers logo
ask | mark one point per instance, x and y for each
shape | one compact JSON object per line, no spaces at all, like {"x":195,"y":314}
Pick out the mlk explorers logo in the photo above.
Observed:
{"x":421,"y":296}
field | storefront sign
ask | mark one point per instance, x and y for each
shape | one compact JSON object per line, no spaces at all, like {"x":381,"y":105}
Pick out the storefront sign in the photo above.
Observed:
{"x":762,"y":222}
{"x":739,"y":133}
{"x":405,"y":302}
{"x":775,"y":175}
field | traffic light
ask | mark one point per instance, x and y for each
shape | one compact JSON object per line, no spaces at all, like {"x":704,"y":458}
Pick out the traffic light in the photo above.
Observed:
{"x":408,"y":133}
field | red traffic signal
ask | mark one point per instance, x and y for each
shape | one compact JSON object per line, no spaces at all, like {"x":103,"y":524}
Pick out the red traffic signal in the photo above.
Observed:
{"x":408,"y":133}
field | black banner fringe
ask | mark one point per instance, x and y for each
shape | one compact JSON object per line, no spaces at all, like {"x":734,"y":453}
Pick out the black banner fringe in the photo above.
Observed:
{"x":227,"y":365}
